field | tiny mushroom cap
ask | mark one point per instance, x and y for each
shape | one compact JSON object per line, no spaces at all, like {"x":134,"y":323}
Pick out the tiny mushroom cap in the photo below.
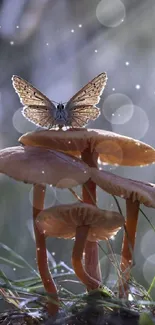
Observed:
{"x":124,"y":187}
{"x":61,"y":221}
{"x":84,"y":222}
{"x":112,"y":148}
{"x":36,"y":165}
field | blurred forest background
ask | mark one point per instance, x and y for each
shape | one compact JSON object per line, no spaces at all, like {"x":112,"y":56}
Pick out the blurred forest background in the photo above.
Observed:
{"x":59,"y":46}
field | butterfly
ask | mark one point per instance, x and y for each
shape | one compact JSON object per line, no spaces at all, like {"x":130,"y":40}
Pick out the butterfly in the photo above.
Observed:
{"x":77,"y":112}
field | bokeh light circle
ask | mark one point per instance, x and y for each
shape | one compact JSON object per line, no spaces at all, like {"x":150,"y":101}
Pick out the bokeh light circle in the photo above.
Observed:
{"x":110,"y":152}
{"x":109,"y":269}
{"x":148,"y":268}
{"x":117,"y":108}
{"x":50,"y":196}
{"x":136,"y":127}
{"x":21,"y":124}
{"x":65,"y":196}
{"x":148,"y":243}
{"x":110,"y":13}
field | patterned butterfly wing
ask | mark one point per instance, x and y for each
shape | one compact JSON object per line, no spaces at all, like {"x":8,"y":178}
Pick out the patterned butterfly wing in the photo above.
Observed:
{"x":37,"y":107}
{"x":81,"y":107}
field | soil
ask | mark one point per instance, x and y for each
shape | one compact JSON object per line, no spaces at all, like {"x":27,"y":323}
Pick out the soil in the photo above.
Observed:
{"x":88,"y":316}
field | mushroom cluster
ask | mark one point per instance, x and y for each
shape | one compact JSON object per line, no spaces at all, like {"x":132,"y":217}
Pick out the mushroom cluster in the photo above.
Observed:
{"x":69,"y":158}
{"x":91,"y":145}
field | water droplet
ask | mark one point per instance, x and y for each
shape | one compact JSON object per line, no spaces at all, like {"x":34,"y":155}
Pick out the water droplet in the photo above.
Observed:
{"x":80,"y":25}
{"x":72,"y":30}
{"x":127,"y":63}
{"x":12,"y":43}
{"x":137,"y":87}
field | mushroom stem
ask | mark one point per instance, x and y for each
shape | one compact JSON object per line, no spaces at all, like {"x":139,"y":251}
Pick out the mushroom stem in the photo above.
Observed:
{"x":92,"y":264}
{"x":41,"y":253}
{"x":77,"y":255}
{"x":92,"y":259}
{"x":132,"y":209}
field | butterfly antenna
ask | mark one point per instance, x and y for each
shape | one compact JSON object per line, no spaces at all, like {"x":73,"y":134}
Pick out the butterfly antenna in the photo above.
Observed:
{"x":53,"y":101}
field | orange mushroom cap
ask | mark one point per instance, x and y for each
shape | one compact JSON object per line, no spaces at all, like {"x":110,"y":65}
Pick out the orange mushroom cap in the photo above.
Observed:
{"x":112,"y":148}
{"x":124,"y":187}
{"x":61,"y":221}
{"x":43,"y":166}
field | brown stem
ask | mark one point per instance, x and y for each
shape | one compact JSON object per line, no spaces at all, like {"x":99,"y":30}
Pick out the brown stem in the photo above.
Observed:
{"x":92,"y":264}
{"x":132,"y":209}
{"x":41,"y":252}
{"x":92,"y":260}
{"x":77,"y":255}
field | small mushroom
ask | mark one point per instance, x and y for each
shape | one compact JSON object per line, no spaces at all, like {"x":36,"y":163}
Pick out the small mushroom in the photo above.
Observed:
{"x":84,"y":222}
{"x":40,"y":166}
{"x":135,"y":193}
{"x":110,"y":147}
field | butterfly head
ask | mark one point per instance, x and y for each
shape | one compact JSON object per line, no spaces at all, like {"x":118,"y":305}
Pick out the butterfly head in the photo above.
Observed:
{"x":60,"y":107}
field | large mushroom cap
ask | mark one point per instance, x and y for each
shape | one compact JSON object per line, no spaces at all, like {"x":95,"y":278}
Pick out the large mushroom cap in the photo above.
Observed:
{"x":124,"y":187}
{"x":43,"y":166}
{"x":61,"y":221}
{"x":112,"y":148}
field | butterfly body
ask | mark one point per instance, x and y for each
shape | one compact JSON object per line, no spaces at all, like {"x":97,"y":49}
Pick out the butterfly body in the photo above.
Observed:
{"x":78,"y":111}
{"x":61,"y":116}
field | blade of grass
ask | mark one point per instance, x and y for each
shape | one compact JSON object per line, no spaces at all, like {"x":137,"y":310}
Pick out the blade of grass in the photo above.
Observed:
{"x":11,"y":262}
{"x":153,"y":281}
{"x":152,"y":226}
{"x":18,"y":257}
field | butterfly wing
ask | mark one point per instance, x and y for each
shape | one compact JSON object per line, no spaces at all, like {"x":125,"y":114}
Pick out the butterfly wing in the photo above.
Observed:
{"x":39,"y":115}
{"x":37,"y":107}
{"x":81,"y":107}
{"x":81,"y":115}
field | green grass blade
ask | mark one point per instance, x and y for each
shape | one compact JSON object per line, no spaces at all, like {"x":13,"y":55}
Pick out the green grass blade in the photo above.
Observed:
{"x":145,"y":319}
{"x":6,"y":261}
{"x":18,"y":257}
{"x":152,"y":226}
